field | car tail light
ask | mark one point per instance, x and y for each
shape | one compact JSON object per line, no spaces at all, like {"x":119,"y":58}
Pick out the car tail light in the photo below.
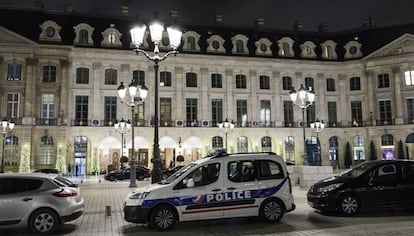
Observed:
{"x":290,"y":183}
{"x":65,"y":193}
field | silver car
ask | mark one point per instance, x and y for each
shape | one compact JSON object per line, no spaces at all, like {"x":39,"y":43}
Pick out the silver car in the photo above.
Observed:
{"x":38,"y":201}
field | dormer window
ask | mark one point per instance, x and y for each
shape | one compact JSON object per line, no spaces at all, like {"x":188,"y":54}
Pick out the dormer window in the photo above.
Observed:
{"x":215,"y":44}
{"x":111,"y":37}
{"x":191,"y":39}
{"x":83,"y":34}
{"x":240,"y":44}
{"x":308,"y":50}
{"x":263,"y":47}
{"x":50,"y":31}
{"x":353,"y":50}
{"x":286,"y":47}
{"x":328,"y":50}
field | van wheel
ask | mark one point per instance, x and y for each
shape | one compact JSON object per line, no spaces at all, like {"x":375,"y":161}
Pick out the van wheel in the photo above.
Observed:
{"x":348,"y":205}
{"x":44,"y":221}
{"x":162,"y":218}
{"x":271,"y":210}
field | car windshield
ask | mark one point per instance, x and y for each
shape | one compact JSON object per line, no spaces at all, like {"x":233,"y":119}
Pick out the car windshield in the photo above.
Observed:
{"x":177,"y":174}
{"x":359,"y":169}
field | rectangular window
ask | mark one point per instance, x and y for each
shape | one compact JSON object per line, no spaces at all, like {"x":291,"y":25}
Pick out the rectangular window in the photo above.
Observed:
{"x":191,"y":111}
{"x":216,"y":111}
{"x":330,"y":85}
{"x":410,"y":110}
{"x":191,"y":80}
{"x":82,"y":75}
{"x":48,"y":106}
{"x":111,"y":77}
{"x":385,"y":112}
{"x":139,"y":115}
{"x":13,"y":105}
{"x":165,"y":79}
{"x":288,"y":113}
{"x":241,"y":82}
{"x":356,"y":112}
{"x":139,"y":76}
{"x":309,"y":83}
{"x":355,"y":83}
{"x":383,"y":80}
{"x":14,"y":71}
{"x":109,"y":109}
{"x":332,"y":114}
{"x":409,"y":78}
{"x":216,"y":81}
{"x":241,"y":107}
{"x":264,"y":82}
{"x":287,"y":82}
{"x":81,"y":110}
{"x":165,"y":111}
{"x":265,"y":113}
{"x":49,"y":74}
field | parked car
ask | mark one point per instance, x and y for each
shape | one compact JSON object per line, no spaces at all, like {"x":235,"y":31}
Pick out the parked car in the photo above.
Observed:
{"x":370,"y":185}
{"x":215,"y":187}
{"x":167,"y":173}
{"x":38,"y":201}
{"x":48,"y":171}
{"x":141,"y":173}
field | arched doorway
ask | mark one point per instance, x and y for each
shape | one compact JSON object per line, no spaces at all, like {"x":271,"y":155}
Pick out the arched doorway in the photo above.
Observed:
{"x":409,"y":141}
{"x":80,"y":145}
{"x":333,"y":151}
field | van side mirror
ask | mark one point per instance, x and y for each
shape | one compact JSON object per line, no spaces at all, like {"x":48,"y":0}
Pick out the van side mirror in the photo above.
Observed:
{"x":190,"y":183}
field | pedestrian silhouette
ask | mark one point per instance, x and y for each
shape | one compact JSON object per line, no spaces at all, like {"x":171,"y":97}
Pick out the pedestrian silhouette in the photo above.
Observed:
{"x":76,"y":170}
{"x":69,"y":170}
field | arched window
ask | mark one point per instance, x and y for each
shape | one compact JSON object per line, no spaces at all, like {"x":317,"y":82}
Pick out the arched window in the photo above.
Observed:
{"x":242,"y":144}
{"x":290,"y":149}
{"x":358,"y":148}
{"x":217,"y":142}
{"x":239,"y":46}
{"x":266,"y":144}
{"x":191,"y":43}
{"x":11,"y":151}
{"x":83,"y":36}
{"x":46,"y":149}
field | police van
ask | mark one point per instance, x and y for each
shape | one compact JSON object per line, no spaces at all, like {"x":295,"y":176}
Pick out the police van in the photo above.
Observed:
{"x":215,"y":187}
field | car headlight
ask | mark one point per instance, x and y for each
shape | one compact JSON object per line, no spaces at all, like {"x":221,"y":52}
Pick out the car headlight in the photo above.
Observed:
{"x":139,"y":195}
{"x":330,"y":187}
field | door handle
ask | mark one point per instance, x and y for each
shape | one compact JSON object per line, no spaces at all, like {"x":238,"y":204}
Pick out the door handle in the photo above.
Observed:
{"x":26,"y":199}
{"x":231,"y":188}
{"x":216,"y":189}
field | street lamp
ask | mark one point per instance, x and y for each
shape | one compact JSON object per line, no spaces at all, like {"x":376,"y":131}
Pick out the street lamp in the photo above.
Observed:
{"x":306,"y":99}
{"x":317,"y":127}
{"x":6,"y":127}
{"x":132,"y":100}
{"x":122,"y":127}
{"x":227,"y":127}
{"x":137,"y":36}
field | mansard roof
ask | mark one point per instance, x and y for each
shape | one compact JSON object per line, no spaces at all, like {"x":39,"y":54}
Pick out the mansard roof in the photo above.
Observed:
{"x":27,"y":24}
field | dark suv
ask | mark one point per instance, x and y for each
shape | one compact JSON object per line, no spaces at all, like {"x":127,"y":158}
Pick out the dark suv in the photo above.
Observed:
{"x":141,"y":173}
{"x":369,"y":185}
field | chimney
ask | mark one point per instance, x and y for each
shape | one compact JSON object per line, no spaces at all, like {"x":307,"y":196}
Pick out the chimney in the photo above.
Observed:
{"x":298,"y":25}
{"x":68,"y":7}
{"x":323,"y":27}
{"x":173,"y":16}
{"x":259,"y":22}
{"x":219,"y":19}
{"x":124,"y":10}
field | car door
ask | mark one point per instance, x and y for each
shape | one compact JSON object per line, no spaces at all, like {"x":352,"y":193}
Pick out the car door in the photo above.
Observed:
{"x":201,"y":192}
{"x":241,"y":188}
{"x":406,"y":185}
{"x":16,"y":198}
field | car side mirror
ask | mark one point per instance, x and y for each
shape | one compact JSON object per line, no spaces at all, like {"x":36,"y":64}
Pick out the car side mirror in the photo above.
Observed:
{"x":190,"y":183}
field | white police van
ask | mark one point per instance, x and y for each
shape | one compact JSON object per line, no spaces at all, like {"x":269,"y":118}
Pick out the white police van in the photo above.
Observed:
{"x":215,"y":187}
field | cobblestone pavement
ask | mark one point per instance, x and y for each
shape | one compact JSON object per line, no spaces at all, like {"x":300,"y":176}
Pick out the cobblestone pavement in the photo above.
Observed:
{"x":101,"y":195}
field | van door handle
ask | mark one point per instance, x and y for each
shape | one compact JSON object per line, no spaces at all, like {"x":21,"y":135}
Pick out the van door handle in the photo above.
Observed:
{"x":216,"y":189}
{"x":26,"y":199}
{"x":231,"y":188}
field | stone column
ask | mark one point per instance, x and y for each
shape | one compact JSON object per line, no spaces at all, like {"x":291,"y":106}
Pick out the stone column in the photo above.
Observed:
{"x":204,"y":103}
{"x":228,"y":98}
{"x":253,"y":104}
{"x":398,"y":102}
{"x":180,"y":104}
{"x":29,"y":96}
{"x":371,"y":99}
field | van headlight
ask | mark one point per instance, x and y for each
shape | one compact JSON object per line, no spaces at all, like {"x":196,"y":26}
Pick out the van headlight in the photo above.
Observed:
{"x":139,"y":195}
{"x":329,"y":188}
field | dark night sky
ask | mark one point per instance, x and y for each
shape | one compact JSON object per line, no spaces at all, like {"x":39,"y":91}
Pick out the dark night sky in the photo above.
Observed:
{"x":278,"y":14}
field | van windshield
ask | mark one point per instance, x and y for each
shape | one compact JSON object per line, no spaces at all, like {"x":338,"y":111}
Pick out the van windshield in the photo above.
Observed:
{"x":177,"y":174}
{"x":359,"y":169}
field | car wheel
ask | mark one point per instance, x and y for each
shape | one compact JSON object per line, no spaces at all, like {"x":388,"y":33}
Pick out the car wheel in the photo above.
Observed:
{"x":162,"y":218}
{"x":348,"y":205}
{"x":271,"y":210}
{"x":44,"y":221}
{"x":140,"y":177}
{"x":111,"y":178}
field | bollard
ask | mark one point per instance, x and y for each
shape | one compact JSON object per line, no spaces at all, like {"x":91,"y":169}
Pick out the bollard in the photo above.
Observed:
{"x":99,"y":180}
{"x":108,"y":210}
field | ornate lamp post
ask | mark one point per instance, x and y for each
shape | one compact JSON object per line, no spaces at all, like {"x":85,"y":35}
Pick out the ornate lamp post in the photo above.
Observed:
{"x":6,"y":127}
{"x":227,"y":127}
{"x":306,"y":99}
{"x":122,"y":127}
{"x":137,"y":36}
{"x":317,"y":127}
{"x":132,"y":100}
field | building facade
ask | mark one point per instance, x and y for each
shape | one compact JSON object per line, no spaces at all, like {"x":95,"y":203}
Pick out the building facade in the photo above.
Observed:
{"x":59,"y":74}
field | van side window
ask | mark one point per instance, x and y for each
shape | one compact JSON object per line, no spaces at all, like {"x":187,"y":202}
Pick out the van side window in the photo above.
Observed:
{"x":241,"y":171}
{"x":270,"y":170}
{"x":385,"y":175}
{"x":205,"y":174}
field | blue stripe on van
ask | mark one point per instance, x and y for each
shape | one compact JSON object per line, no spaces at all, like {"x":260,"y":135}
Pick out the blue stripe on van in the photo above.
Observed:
{"x":215,"y":197}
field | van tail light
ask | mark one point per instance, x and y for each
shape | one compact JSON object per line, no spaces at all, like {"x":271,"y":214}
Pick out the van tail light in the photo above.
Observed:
{"x":65,"y":193}
{"x":290,"y":183}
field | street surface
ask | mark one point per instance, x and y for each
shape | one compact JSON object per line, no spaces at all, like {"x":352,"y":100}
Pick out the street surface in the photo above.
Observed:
{"x":100,"y":195}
